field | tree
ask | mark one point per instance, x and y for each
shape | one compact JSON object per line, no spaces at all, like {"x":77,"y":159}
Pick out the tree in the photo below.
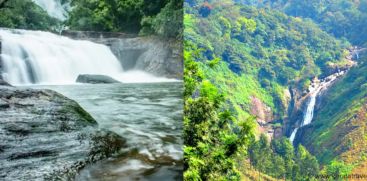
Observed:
{"x":2,"y":3}
{"x":338,"y":168}
{"x":308,"y":164}
{"x":25,"y":14}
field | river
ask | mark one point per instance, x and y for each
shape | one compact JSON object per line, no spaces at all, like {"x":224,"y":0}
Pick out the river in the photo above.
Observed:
{"x":148,"y":116}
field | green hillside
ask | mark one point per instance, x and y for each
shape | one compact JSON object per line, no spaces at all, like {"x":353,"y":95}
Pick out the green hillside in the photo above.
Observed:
{"x":341,"y":18}
{"x":255,"y":54}
{"x":339,"y":128}
{"x":337,"y":135}
{"x":240,"y":62}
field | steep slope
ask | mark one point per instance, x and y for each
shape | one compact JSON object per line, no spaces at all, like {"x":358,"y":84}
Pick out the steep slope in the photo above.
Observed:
{"x":260,"y":58}
{"x":339,"y":128}
{"x":341,"y":18}
{"x":240,"y":63}
{"x":337,"y":135}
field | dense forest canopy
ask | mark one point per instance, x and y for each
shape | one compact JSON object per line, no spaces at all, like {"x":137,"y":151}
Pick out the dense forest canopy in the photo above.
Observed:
{"x":252,"y":52}
{"x":162,"y":17}
{"x":342,"y":18}
{"x":244,"y":54}
{"x":24,"y":14}
{"x":261,"y":52}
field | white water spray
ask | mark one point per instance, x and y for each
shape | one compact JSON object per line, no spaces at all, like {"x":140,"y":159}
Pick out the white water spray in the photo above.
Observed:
{"x":36,"y":57}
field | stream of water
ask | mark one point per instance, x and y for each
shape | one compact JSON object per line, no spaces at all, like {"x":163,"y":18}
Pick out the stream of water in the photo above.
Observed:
{"x":148,"y":116}
{"x":315,"y":88}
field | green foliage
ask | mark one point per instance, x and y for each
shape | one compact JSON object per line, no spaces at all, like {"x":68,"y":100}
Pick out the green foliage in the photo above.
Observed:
{"x":342,"y":18}
{"x":247,"y":53}
{"x":213,"y":137}
{"x":247,"y":24}
{"x":342,"y":103}
{"x":163,"y":17}
{"x":279,"y":159}
{"x":167,"y":23}
{"x":25,"y":14}
{"x":338,"y":168}
{"x":250,"y":52}
{"x":106,"y":15}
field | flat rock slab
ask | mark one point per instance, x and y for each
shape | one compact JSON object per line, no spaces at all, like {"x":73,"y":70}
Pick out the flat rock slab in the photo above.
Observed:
{"x":46,"y":136}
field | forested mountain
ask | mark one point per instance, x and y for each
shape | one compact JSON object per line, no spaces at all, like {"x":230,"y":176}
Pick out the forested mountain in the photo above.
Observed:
{"x":257,"y":59}
{"x":342,"y":18}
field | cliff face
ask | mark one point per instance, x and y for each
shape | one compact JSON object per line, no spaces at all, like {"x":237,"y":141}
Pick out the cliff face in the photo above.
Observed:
{"x":151,"y":54}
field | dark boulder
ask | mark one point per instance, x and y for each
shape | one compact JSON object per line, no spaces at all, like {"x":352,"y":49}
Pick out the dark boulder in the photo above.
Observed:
{"x":46,"y":136}
{"x":96,"y":79}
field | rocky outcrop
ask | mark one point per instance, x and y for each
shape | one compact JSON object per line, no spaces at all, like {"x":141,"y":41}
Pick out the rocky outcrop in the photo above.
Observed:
{"x":96,"y":79}
{"x":154,"y":55}
{"x":151,"y":54}
{"x":46,"y":136}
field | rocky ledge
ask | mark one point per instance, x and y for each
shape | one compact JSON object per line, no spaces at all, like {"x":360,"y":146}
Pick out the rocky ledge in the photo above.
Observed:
{"x":46,"y":136}
{"x":96,"y":79}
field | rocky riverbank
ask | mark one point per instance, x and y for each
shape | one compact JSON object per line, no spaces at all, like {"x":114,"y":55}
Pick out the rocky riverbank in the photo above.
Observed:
{"x":46,"y":136}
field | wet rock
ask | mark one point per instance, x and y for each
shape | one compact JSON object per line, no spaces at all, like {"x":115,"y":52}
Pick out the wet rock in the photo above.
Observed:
{"x":96,"y":79}
{"x":160,"y":57}
{"x":3,"y":104}
{"x":46,"y":136}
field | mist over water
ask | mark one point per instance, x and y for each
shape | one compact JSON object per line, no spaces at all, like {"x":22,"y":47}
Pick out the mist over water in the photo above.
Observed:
{"x":36,"y":57}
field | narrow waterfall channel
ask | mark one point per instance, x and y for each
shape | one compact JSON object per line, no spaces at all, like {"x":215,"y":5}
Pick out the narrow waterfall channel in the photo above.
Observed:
{"x":315,"y":88}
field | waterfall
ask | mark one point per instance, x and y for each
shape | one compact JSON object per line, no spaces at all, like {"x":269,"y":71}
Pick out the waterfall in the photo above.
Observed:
{"x":314,"y":89}
{"x":37,"y":57}
{"x":54,"y":8}
{"x":41,"y":57}
{"x":307,"y":118}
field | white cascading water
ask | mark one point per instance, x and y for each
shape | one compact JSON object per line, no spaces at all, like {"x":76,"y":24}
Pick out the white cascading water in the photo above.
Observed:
{"x":314,"y":90}
{"x":37,"y":57}
{"x":54,"y":8}
{"x":45,"y":58}
{"x":307,"y":118}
